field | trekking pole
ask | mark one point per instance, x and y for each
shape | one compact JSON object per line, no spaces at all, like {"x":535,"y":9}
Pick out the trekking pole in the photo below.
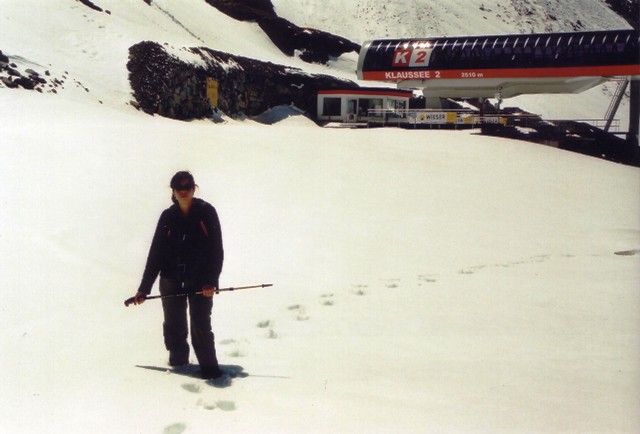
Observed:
{"x":130,"y":300}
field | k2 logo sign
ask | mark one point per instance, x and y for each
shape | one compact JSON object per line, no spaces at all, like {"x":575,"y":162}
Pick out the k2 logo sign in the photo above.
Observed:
{"x":418,"y":57}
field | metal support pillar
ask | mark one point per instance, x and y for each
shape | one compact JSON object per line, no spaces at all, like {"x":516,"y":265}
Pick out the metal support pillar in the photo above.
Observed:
{"x":615,"y":102}
{"x":634,"y":113}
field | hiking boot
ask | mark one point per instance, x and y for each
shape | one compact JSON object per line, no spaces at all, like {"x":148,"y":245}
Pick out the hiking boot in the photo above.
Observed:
{"x":210,"y":372}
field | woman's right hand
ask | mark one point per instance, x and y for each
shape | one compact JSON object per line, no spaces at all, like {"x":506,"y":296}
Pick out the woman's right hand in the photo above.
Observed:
{"x":139,"y":298}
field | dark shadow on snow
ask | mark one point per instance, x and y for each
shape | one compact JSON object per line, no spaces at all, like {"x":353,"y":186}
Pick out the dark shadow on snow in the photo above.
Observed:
{"x":229,"y":373}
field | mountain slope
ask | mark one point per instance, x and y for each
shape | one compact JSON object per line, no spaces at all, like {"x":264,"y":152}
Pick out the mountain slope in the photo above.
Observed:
{"x":422,"y":18}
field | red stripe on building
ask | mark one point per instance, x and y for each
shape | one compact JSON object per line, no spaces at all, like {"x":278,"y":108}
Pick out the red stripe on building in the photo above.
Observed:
{"x":382,"y":92}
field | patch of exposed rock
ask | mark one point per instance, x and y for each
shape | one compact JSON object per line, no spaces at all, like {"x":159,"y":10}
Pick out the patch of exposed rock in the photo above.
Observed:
{"x":12,"y":77}
{"x":627,"y":9}
{"x":165,"y":84}
{"x":245,"y":10}
{"x":92,"y":5}
{"x":314,"y":46}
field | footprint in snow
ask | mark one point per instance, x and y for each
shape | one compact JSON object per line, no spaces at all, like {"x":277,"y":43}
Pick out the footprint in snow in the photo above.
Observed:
{"x":427,"y":278}
{"x":360,"y":289}
{"x":268,"y":324}
{"x":264,"y":324}
{"x":226,"y":405}
{"x":176,"y":428}
{"x":237,"y":352}
{"x":271,"y":334}
{"x":301,"y":314}
{"x":191,"y":387}
{"x":327,"y":300}
{"x":206,"y":405}
{"x":222,"y":405}
{"x":631,"y":252}
{"x":391,"y":283}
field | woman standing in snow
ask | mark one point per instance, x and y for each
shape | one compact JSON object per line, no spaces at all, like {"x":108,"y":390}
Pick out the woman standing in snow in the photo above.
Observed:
{"x":187,"y":253}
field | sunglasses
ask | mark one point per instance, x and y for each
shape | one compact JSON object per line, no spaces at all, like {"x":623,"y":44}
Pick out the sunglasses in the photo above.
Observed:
{"x":185,"y":187}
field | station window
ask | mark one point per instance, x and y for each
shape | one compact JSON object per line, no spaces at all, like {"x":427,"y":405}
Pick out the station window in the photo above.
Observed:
{"x":366,"y":104}
{"x":397,"y":104}
{"x":331,"y":107}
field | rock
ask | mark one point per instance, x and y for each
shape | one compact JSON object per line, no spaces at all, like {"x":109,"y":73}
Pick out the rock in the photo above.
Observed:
{"x":25,"y":82}
{"x":316,"y":46}
{"x":163,"y":84}
{"x":245,"y":10}
{"x":91,"y":5}
{"x":8,"y":82}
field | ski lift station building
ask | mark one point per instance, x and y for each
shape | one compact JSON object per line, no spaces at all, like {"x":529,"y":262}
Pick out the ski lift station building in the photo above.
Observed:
{"x":353,"y":105}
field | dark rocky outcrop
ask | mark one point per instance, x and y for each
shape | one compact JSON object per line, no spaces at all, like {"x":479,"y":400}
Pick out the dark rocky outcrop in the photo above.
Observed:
{"x":12,"y":77}
{"x":315,"y":46}
{"x":165,"y":85}
{"x":245,"y":10}
{"x":91,"y":5}
{"x":627,"y":9}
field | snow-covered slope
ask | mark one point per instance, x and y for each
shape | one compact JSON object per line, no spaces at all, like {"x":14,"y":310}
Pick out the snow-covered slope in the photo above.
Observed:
{"x":371,"y":19}
{"x":424,"y":281}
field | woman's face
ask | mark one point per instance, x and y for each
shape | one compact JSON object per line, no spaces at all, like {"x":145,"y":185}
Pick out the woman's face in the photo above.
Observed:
{"x":184,"y":193}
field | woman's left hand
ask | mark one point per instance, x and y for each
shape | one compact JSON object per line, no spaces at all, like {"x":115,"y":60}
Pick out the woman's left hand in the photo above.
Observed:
{"x":208,"y":290}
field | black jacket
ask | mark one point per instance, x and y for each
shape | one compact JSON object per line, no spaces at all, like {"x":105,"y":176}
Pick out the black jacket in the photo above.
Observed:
{"x":186,"y":248}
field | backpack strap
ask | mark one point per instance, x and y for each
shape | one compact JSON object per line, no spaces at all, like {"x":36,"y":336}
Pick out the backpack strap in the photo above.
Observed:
{"x":204,"y":228}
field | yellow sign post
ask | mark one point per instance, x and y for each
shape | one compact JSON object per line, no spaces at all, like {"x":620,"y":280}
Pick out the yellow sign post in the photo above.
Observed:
{"x":212,"y":91}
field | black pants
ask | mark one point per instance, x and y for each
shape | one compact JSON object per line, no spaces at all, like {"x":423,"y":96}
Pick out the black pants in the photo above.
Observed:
{"x":176,"y":330}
